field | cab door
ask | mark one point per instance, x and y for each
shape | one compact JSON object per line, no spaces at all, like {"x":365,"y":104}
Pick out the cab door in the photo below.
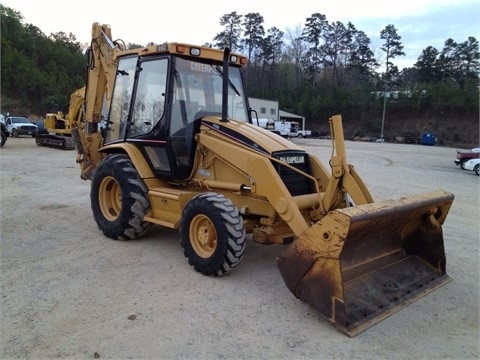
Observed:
{"x":138,"y":112}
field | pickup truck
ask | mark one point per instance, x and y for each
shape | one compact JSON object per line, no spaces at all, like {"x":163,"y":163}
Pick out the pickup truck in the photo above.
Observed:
{"x":463,"y":156}
{"x":20,"y":125}
{"x":304,"y":133}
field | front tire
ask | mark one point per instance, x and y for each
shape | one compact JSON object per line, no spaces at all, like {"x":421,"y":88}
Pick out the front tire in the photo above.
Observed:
{"x":212,"y":234}
{"x":477,"y":169}
{"x":119,"y":199}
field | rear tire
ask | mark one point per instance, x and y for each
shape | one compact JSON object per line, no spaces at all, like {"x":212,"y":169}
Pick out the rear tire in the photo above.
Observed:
{"x":119,"y":199}
{"x":462,"y":164}
{"x":212,"y":234}
{"x":477,"y":169}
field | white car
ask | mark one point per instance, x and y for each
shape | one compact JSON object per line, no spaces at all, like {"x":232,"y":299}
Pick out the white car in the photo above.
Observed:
{"x":472,"y":165}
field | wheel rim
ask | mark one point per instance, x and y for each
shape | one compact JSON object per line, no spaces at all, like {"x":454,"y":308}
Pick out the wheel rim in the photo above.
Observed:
{"x":203,"y":236}
{"x":110,"y":198}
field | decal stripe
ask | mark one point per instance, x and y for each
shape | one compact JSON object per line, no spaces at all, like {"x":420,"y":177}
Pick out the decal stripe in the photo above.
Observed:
{"x":234,"y":135}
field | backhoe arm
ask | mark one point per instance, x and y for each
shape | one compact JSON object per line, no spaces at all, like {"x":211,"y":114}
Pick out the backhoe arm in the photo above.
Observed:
{"x":100,"y":79}
{"x":101,"y":71}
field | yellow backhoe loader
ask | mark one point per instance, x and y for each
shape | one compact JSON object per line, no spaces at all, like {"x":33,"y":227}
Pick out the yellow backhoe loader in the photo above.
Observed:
{"x":181,"y":151}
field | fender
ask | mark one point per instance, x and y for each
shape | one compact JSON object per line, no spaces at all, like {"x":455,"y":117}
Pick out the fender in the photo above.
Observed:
{"x":138,"y":159}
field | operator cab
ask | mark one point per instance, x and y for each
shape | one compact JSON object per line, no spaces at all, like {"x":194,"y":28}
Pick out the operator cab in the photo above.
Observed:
{"x":158,"y":102}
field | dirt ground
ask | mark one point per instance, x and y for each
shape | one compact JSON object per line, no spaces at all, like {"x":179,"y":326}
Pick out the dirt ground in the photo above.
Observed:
{"x":68,"y":292}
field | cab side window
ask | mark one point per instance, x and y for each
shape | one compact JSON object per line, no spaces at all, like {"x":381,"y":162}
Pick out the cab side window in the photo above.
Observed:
{"x":149,"y":106}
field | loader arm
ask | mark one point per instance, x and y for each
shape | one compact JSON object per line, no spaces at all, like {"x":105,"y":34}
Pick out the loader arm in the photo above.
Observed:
{"x":343,"y":177}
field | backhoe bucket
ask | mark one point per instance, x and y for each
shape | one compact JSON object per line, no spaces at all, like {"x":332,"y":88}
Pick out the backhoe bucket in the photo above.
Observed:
{"x":361,"y":264}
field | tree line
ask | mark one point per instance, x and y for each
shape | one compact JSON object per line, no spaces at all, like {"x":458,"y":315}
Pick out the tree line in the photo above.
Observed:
{"x":329,"y":67}
{"x":321,"y":69}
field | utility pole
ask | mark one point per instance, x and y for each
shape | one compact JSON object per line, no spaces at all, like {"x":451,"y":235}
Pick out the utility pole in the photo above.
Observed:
{"x":384,"y":107}
{"x":392,"y":47}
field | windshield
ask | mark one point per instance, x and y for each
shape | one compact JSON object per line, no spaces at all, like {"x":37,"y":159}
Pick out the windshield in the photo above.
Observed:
{"x":198,"y":88}
{"x":19,"y":120}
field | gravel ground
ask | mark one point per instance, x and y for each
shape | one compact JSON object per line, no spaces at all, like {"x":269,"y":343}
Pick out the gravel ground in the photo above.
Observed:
{"x":68,"y":292}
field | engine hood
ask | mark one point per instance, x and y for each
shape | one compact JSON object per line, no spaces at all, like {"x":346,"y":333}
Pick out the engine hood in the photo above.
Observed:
{"x":249,"y":135}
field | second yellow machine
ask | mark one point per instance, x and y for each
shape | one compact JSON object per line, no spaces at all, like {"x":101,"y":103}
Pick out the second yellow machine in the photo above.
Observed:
{"x":181,"y":151}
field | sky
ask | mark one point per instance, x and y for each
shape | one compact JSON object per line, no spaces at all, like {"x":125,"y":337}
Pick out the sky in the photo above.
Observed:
{"x":419,"y":23}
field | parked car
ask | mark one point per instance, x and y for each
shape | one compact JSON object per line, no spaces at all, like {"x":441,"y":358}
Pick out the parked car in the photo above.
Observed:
{"x":20,"y":125}
{"x":464,"y":156}
{"x":472,"y":165}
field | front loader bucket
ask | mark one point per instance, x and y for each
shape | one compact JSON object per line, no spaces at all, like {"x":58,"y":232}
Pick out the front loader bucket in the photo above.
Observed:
{"x":359,"y":265}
